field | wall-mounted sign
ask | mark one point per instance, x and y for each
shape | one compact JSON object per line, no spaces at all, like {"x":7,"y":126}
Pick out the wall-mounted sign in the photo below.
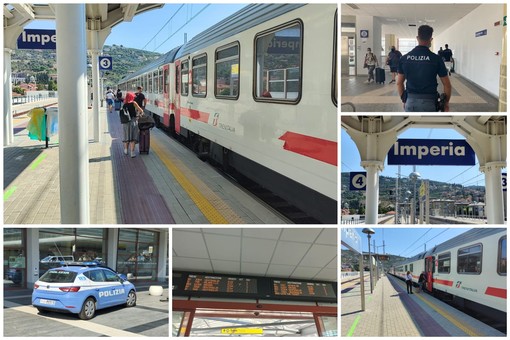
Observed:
{"x":105,"y":63}
{"x":480,"y":33}
{"x":431,"y":152}
{"x":503,"y":180}
{"x":363,"y":33}
{"x":358,"y":181}
{"x":37,"y":40}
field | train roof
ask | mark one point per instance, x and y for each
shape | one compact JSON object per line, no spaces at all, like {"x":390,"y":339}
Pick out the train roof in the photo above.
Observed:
{"x":248,"y":17}
{"x":467,"y":237}
{"x":472,"y":235}
{"x":162,"y":60}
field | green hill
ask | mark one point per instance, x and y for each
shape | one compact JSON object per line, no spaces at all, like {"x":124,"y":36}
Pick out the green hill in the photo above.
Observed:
{"x":42,"y":64}
{"x":355,"y":200}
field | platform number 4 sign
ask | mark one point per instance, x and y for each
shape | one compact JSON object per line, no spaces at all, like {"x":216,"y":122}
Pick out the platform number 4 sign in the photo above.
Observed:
{"x":358,"y":181}
{"x":503,"y":180}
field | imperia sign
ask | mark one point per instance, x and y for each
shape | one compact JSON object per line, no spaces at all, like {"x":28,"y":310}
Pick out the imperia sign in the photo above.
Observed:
{"x":431,"y":152}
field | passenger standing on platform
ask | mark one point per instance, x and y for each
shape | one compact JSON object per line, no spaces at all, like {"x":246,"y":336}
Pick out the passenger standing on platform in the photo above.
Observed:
{"x":393,"y":59}
{"x":419,"y":69}
{"x":140,"y":98}
{"x":110,"y":97}
{"x":128,"y":118}
{"x":409,"y":282}
{"x":422,"y":281}
{"x":370,"y":63}
{"x":119,"y":94}
{"x":448,"y":59}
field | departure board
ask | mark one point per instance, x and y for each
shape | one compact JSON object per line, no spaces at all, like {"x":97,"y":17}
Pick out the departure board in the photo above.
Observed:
{"x":221,"y":284}
{"x":303,"y":289}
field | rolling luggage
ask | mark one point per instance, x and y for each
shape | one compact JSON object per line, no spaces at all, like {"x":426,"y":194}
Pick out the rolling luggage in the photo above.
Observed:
{"x":380,"y":76}
{"x":145,"y":141}
{"x":118,"y":104}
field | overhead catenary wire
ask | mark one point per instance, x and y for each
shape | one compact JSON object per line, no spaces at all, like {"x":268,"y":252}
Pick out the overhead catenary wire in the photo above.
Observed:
{"x":403,"y":252}
{"x":430,"y":239}
{"x":187,"y":22}
{"x":166,"y":23}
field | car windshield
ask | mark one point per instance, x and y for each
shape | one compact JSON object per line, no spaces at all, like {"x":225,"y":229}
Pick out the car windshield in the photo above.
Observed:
{"x":59,"y":276}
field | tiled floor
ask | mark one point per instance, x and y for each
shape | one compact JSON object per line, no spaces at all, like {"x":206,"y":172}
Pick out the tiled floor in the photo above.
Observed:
{"x":466,"y":96}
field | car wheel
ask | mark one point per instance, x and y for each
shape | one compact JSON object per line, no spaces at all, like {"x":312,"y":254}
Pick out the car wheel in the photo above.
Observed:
{"x":42,"y":310}
{"x":88,"y":310}
{"x":131,"y":299}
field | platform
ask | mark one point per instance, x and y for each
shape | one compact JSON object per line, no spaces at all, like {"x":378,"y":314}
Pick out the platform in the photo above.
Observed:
{"x":466,"y":96}
{"x":170,"y":185}
{"x":390,"y":312}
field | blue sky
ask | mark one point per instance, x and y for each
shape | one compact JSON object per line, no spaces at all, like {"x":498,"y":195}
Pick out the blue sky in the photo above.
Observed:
{"x":143,"y":27}
{"x":465,"y":175}
{"x":408,"y":241}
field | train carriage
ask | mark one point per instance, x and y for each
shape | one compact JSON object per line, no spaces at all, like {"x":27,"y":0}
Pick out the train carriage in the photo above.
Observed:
{"x":257,"y":92}
{"x":469,"y":269}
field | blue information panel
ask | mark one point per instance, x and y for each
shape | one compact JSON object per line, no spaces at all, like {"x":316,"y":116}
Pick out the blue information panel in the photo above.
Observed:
{"x":503,"y":180}
{"x":105,"y":63}
{"x":431,"y":152}
{"x":37,"y":40}
{"x":358,"y":181}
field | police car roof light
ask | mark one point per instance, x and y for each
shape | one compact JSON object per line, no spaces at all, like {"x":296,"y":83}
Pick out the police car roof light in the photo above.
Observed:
{"x":81,"y":264}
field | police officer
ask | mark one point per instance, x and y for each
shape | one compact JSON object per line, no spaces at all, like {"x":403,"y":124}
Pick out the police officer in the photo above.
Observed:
{"x":420,"y":67}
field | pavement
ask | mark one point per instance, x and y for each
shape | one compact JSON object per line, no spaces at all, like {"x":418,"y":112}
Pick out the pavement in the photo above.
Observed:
{"x":149,"y":317}
{"x":390,"y":312}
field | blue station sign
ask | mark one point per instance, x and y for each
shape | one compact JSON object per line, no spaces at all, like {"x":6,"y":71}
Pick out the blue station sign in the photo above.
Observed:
{"x":37,"y":40}
{"x":358,"y":181}
{"x":431,"y":152}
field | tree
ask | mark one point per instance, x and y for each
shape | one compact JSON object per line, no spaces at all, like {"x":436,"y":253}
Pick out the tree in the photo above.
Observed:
{"x":52,"y":86}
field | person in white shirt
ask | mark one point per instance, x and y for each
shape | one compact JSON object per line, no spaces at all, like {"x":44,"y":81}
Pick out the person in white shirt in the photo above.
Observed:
{"x":409,"y":282}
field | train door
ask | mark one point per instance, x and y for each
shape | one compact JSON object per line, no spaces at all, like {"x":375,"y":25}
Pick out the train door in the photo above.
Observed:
{"x":166,"y":95}
{"x":429,"y":271}
{"x":178,"y":91}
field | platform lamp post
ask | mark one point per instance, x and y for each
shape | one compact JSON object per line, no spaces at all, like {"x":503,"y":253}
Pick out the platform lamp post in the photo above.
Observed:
{"x":369,"y":232}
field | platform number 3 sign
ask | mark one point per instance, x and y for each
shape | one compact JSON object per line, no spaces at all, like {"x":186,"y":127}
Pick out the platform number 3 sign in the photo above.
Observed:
{"x":358,"y":180}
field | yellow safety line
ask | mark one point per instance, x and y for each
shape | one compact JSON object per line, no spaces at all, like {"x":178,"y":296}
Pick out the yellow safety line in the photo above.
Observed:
{"x":212,"y":215}
{"x":468,"y":330}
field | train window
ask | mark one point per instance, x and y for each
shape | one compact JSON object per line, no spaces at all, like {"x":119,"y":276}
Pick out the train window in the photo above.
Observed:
{"x":165,"y":80}
{"x":227,"y":72}
{"x":444,"y":263}
{"x":199,"y":76}
{"x":278,"y":64}
{"x":155,"y":83}
{"x":184,"y":78}
{"x":406,"y":268}
{"x":177,"y":79}
{"x":160,"y":80}
{"x":502,"y":256}
{"x":411,"y":267}
{"x":149,"y":82}
{"x":469,"y":260}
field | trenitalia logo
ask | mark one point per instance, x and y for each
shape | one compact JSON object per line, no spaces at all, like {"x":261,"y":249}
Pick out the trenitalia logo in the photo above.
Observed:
{"x":431,"y":152}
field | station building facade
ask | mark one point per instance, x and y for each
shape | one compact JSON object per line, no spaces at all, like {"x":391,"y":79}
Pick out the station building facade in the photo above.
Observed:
{"x":140,"y":253}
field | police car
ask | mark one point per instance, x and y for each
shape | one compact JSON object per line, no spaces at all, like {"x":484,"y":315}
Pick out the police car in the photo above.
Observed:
{"x":82,"y":288}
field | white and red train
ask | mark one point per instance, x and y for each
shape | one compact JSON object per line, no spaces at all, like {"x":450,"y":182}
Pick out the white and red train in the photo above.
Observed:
{"x":469,"y":269}
{"x":257,"y":92}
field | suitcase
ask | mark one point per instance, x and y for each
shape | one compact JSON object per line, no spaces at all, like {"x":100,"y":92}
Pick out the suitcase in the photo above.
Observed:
{"x":118,"y":103}
{"x":145,"y":141}
{"x":380,"y":76}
